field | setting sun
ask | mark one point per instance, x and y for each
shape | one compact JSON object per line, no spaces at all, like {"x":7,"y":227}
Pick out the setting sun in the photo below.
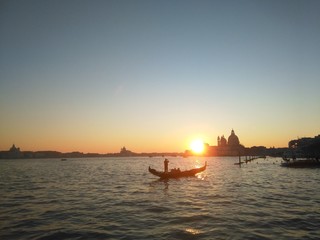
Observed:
{"x":197,"y":146}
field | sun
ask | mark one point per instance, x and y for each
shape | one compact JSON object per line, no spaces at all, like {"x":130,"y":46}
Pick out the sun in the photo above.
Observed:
{"x":197,"y":146}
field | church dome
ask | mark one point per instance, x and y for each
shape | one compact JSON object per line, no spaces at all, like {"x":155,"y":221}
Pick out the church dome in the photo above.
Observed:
{"x":233,"y":139}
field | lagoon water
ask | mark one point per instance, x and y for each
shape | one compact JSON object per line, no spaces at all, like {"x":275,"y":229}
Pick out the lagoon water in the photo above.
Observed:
{"x":117,"y":198}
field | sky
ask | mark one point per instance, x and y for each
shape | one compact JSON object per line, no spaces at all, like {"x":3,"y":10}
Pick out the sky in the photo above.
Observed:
{"x":94,"y":76}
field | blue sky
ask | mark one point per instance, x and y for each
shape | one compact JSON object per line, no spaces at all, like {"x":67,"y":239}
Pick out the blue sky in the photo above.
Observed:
{"x":153,"y":75}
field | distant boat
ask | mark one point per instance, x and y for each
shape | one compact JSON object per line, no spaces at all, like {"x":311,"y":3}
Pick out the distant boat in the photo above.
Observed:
{"x":177,"y":173}
{"x":63,"y":159}
{"x":301,"y":162}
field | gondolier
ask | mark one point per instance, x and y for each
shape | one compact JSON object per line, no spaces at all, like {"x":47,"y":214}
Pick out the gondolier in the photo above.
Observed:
{"x":166,"y":163}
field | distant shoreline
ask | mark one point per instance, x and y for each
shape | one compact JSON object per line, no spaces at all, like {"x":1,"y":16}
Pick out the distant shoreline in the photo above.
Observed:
{"x":302,"y":146}
{"x":225,"y":147}
{"x":56,"y":154}
{"x":17,"y":154}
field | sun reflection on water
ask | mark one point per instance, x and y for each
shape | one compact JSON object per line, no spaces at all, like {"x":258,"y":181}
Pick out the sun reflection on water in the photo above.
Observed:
{"x":193,"y":231}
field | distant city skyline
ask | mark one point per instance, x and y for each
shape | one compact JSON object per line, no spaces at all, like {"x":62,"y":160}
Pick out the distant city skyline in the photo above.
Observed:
{"x":191,"y":147}
{"x":94,"y":76}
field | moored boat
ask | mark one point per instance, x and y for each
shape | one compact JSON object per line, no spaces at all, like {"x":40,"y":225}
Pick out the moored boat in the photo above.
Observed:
{"x":177,"y":173}
{"x":301,"y":163}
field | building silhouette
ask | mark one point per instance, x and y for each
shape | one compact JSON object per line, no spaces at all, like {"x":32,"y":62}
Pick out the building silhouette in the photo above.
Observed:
{"x":14,"y":152}
{"x":225,"y":147}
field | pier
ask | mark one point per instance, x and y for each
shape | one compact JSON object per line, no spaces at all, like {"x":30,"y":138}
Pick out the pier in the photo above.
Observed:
{"x":247,"y":159}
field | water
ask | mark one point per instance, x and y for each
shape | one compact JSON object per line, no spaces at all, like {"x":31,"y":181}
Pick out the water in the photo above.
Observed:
{"x":118,"y":199}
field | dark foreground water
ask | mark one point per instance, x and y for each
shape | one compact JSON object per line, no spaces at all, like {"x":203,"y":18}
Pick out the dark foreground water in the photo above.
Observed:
{"x":119,"y":199}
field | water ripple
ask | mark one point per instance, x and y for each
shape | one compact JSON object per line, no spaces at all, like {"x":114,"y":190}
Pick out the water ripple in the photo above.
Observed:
{"x":119,"y":199}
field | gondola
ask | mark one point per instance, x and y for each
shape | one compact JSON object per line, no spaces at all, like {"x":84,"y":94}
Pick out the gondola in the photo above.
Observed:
{"x":177,"y":173}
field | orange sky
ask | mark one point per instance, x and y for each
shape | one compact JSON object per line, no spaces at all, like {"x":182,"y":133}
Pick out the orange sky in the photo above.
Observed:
{"x":102,"y":143}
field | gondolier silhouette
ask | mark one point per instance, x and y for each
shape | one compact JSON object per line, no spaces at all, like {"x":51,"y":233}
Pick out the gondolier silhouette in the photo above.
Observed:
{"x":166,"y":163}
